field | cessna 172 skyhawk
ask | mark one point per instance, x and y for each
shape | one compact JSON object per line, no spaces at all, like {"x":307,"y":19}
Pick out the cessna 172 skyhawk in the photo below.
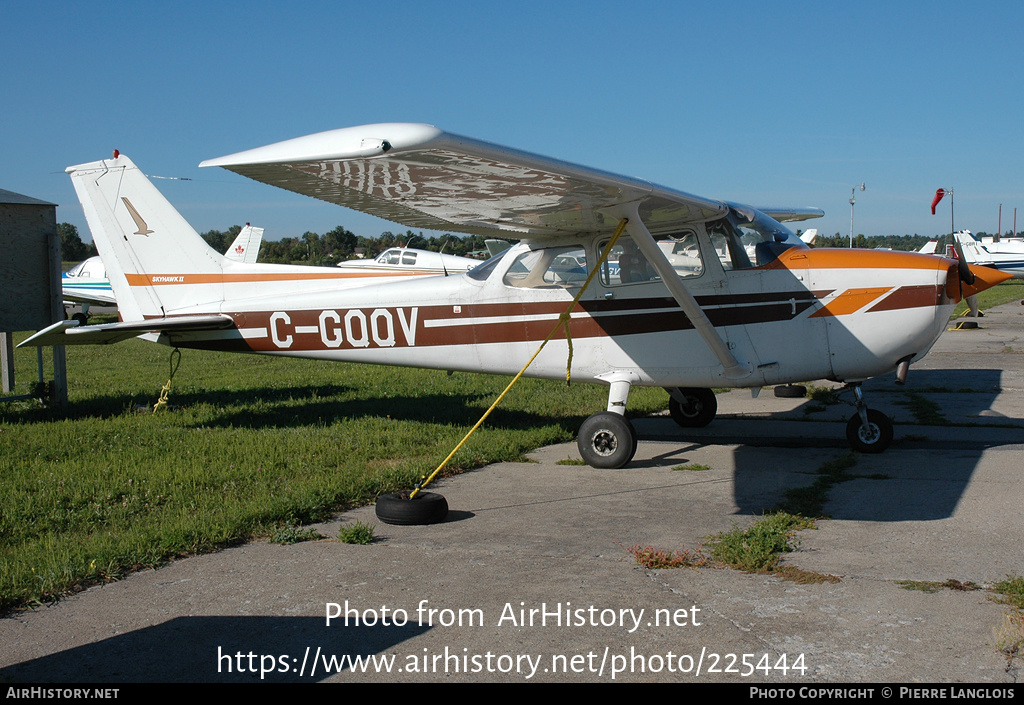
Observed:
{"x":736,"y":300}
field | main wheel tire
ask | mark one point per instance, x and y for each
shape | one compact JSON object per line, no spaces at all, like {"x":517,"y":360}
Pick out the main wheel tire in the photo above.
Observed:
{"x":424,"y":508}
{"x":699,"y":409}
{"x":874,"y":438}
{"x":82,"y":319}
{"x":606,"y":440}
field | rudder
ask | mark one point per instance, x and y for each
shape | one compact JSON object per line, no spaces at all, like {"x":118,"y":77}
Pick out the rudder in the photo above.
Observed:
{"x":156,"y":262}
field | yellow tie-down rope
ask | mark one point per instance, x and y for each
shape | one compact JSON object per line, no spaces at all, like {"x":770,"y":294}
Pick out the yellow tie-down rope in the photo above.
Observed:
{"x":563,"y":319}
{"x":166,"y":389}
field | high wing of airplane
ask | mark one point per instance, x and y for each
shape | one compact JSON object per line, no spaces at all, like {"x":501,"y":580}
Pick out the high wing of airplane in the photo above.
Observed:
{"x":729,"y":297}
{"x":87,"y":284}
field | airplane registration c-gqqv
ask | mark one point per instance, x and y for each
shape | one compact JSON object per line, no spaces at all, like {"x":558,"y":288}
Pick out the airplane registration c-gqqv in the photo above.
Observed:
{"x":696,"y":294}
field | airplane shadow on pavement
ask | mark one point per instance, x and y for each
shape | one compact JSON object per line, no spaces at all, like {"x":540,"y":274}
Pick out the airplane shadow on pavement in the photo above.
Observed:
{"x":220,"y":650}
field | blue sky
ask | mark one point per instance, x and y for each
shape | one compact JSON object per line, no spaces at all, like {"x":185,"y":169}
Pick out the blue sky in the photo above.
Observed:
{"x":788,"y":103}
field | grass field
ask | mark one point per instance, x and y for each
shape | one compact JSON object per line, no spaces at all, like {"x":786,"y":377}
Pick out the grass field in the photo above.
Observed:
{"x":250,"y":443}
{"x":1011,"y":290}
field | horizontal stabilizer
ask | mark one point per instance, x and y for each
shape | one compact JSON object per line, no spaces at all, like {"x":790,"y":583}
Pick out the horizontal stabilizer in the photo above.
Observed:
{"x":70,"y":333}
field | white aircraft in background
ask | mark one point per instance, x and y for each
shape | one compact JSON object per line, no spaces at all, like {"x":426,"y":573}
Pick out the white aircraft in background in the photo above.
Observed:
{"x":787,"y":314}
{"x":408,"y":259}
{"x":1006,"y":255}
{"x":86,"y":284}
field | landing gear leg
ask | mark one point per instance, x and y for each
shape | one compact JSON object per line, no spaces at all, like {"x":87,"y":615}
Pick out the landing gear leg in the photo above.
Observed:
{"x":607,"y":439}
{"x":868,"y":431}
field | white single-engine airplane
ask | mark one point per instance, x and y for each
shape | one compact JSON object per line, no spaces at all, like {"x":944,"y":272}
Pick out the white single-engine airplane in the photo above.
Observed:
{"x":742,"y":303}
{"x":409,"y":259}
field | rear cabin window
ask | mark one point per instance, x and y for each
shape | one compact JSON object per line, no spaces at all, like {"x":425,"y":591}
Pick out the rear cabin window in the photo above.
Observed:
{"x":549,"y":267}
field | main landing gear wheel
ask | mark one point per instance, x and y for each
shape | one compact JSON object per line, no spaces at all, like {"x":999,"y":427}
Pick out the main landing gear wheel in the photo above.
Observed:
{"x":424,"y":508}
{"x":873,"y":438}
{"x":696,"y":411}
{"x":606,"y":440}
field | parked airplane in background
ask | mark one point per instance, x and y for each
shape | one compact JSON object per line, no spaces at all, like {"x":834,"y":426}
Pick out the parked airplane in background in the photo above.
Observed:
{"x":1006,"y":255}
{"x":246,"y":247}
{"x":407,"y":259}
{"x":719,"y":317}
{"x":86,"y":283}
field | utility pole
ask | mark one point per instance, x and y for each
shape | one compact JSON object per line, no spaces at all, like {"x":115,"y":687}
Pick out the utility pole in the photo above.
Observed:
{"x":853,"y":191}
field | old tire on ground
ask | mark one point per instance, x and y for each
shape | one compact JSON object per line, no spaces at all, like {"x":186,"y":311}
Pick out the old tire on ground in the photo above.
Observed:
{"x":424,"y":508}
{"x":791,"y":391}
{"x":873,"y":439}
{"x":698,"y":411}
{"x":606,"y":440}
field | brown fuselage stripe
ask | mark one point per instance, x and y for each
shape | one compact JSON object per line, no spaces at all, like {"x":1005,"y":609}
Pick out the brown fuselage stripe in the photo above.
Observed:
{"x":607,"y":318}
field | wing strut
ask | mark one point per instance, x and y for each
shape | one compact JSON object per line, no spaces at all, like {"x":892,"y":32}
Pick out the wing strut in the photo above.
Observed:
{"x":645,"y":241}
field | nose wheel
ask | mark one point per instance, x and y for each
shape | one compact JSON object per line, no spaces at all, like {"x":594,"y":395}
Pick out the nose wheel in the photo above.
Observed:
{"x":869,"y":430}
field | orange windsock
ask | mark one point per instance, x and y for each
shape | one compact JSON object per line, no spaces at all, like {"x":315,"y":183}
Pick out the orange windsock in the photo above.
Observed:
{"x":938,"y":197}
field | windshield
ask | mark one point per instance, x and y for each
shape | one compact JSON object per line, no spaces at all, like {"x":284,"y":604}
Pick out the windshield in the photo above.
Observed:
{"x":76,"y":270}
{"x":748,"y":238}
{"x":482,"y":271}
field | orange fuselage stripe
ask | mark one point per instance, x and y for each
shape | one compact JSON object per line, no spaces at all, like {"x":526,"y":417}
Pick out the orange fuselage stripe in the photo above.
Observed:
{"x":252,"y":277}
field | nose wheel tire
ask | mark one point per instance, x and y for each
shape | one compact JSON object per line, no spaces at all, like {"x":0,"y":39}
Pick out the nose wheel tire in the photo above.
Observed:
{"x":424,"y":508}
{"x":873,"y":438}
{"x":606,"y":440}
{"x":696,"y":411}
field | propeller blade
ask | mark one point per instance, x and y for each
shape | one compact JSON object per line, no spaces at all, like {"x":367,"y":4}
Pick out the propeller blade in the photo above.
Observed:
{"x":966,"y":275}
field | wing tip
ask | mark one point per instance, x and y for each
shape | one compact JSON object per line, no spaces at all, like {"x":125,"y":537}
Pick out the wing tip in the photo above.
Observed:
{"x":359,"y":142}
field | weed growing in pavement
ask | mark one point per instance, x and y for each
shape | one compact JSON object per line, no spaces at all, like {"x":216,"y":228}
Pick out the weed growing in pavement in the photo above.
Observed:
{"x":359,"y":533}
{"x":290,"y":533}
{"x":656,"y":558}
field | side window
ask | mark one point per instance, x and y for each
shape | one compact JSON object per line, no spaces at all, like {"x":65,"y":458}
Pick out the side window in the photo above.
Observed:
{"x":626,"y":264}
{"x":408,"y":258}
{"x":549,"y":267}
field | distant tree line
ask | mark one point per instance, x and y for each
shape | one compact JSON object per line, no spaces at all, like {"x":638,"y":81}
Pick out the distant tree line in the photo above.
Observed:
{"x":874,"y":242}
{"x":908,"y":243}
{"x":341,"y":244}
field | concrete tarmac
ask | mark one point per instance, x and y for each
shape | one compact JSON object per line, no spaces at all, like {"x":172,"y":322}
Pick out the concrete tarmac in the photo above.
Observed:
{"x":532,"y":578}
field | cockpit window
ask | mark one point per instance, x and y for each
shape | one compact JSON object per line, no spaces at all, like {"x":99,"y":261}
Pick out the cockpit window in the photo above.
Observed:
{"x":626,"y":264}
{"x":549,"y":267}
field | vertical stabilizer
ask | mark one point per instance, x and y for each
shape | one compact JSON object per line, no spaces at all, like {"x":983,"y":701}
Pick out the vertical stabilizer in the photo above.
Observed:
{"x":246,"y":247}
{"x":157,"y":263}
